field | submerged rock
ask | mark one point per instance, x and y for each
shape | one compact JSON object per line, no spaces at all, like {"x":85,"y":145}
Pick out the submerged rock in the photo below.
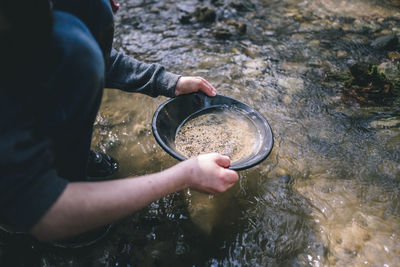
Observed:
{"x":367,"y":86}
{"x":385,"y":123}
{"x":241,"y":28}
{"x":390,"y":70}
{"x":389,"y":42}
{"x":229,"y":29}
{"x":393,"y":55}
{"x":242,"y":5}
{"x":287,"y":179}
{"x":218,"y":2}
{"x":223,"y":32}
{"x":205,"y":14}
{"x":292,"y":85}
{"x":185,"y":18}
{"x":254,"y":67}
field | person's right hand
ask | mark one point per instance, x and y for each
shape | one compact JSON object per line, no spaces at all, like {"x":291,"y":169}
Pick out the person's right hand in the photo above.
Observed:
{"x":208,"y":173}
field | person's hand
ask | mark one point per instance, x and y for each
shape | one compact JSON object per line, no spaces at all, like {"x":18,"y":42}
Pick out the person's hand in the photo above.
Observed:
{"x":189,"y":84}
{"x":207,"y":173}
{"x":115,"y":6}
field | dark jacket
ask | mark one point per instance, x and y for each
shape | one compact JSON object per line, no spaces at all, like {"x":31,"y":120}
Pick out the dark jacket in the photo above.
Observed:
{"x":29,"y":181}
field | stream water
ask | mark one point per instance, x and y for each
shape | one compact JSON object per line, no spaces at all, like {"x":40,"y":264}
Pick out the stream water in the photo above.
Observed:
{"x":328,"y":194}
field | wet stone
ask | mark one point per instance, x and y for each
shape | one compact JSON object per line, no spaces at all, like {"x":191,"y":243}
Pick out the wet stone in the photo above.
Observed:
{"x":224,"y":32}
{"x":185,"y":18}
{"x":218,"y":2}
{"x":241,"y":28}
{"x":341,"y":54}
{"x":393,"y":55}
{"x":367,"y":86}
{"x":229,"y":29}
{"x":385,"y":42}
{"x":292,"y":85}
{"x":389,"y":168}
{"x":205,"y":14}
{"x":252,"y":51}
{"x":242,"y":5}
{"x":287,"y":179}
{"x":385,"y":123}
{"x":390,"y":70}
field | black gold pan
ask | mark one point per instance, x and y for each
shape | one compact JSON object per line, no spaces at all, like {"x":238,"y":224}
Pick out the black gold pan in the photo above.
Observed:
{"x":172,"y":114}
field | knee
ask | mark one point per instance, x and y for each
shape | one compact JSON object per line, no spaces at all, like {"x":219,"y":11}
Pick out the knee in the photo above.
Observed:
{"x":80,"y":54}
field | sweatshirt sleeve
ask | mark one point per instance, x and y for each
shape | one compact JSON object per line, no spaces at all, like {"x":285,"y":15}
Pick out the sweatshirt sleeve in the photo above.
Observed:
{"x":129,"y":74}
{"x":29,"y":185}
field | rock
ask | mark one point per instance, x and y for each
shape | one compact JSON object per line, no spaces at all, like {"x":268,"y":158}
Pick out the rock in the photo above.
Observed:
{"x":252,"y":51}
{"x":141,"y":129}
{"x":395,"y":3}
{"x":367,"y":86}
{"x":388,"y":42}
{"x":185,"y":18}
{"x":390,"y":70}
{"x":393,"y":55}
{"x":256,"y":64}
{"x":390,"y":168}
{"x":287,"y":100}
{"x":223,"y":33}
{"x":314,"y":43}
{"x":155,"y":10}
{"x":185,"y":7}
{"x":341,"y":54}
{"x":287,"y":179}
{"x":385,"y":123}
{"x":229,"y":29}
{"x":242,"y":5}
{"x":240,"y":27}
{"x":254,"y":67}
{"x":361,"y":73}
{"x":292,"y":85}
{"x":217,"y":2}
{"x":349,"y":240}
{"x":205,"y":14}
{"x":294,"y":67}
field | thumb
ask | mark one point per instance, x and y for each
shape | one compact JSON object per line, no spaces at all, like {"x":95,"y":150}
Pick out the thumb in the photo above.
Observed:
{"x":223,"y":161}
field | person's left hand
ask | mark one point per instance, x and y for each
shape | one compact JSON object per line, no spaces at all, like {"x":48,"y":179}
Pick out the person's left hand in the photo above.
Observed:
{"x":189,"y":84}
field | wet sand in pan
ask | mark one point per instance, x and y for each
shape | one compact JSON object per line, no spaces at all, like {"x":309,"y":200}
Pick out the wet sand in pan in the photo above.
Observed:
{"x":226,"y":131}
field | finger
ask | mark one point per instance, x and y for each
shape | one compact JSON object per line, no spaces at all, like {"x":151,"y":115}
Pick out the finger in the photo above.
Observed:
{"x":231,"y":184}
{"x":223,"y":161}
{"x":206,"y":87}
{"x":212,"y":88}
{"x":230,"y":177}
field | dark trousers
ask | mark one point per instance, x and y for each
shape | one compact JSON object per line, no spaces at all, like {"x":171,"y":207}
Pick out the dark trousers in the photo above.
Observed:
{"x":80,"y":47}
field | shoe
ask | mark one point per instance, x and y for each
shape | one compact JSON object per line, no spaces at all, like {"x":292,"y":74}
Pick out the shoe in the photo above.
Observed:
{"x":85,"y":239}
{"x":8,"y":229}
{"x":101,"y":165}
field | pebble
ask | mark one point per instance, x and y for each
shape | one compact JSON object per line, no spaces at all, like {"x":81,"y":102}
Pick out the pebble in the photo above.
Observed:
{"x":292,"y":85}
{"x":390,"y":70}
{"x":341,"y":54}
{"x":252,"y":51}
{"x":287,"y":100}
{"x":393,"y":55}
{"x":205,"y":14}
{"x":385,"y":123}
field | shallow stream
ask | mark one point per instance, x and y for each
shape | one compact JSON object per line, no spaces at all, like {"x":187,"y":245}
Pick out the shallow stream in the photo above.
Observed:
{"x":328,"y":194}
